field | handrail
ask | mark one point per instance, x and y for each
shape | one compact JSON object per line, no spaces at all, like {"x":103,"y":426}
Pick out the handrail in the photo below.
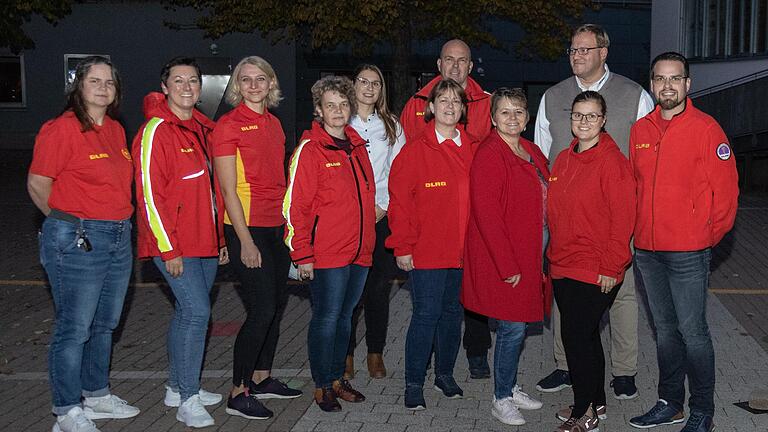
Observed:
{"x":728,"y":84}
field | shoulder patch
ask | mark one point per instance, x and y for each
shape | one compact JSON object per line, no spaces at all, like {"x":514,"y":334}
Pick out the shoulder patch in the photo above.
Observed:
{"x":723,"y":151}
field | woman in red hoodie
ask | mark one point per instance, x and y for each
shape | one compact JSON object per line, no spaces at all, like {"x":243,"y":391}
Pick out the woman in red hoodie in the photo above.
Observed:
{"x":428,"y":212}
{"x":591,"y":213}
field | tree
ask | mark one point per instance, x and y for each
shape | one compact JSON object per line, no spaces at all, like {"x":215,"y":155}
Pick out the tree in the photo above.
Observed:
{"x":363,"y":24}
{"x":17,"y":12}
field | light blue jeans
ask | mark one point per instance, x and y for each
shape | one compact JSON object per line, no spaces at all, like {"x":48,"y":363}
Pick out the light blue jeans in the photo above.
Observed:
{"x":506,"y":356}
{"x":186,"y":333}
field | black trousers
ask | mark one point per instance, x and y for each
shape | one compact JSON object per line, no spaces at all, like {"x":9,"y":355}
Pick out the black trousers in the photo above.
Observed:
{"x":375,"y":298}
{"x":582,"y":306}
{"x":477,"y":335}
{"x":264,"y":296}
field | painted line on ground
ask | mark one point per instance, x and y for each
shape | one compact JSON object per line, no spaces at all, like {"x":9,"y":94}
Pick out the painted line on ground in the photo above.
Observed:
{"x":158,"y":375}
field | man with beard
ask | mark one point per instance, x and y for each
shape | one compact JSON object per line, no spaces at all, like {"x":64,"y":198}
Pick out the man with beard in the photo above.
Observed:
{"x":687,"y":190}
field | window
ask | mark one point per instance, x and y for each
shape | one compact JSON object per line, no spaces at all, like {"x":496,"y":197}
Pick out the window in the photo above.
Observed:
{"x":12,"y":86}
{"x":726,"y":28}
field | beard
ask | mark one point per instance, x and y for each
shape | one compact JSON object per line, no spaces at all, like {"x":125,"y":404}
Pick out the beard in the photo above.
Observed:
{"x":670,"y":103}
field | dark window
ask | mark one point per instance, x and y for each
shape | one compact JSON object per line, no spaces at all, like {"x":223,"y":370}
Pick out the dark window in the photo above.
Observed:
{"x":12,"y":91}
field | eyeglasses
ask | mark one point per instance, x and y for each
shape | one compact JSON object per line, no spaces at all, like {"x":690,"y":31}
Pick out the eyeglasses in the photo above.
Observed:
{"x":581,"y":51}
{"x":591,"y":117}
{"x":365,"y":83}
{"x":661,"y":80}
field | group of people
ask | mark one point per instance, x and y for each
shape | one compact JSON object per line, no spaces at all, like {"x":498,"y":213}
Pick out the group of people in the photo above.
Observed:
{"x":486,"y":223}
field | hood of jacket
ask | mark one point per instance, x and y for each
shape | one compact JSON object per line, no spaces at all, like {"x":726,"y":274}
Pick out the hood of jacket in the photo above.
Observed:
{"x":156,"y":105}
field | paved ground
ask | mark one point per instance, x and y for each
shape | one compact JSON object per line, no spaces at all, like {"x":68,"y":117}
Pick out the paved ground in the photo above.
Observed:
{"x":738,"y":316}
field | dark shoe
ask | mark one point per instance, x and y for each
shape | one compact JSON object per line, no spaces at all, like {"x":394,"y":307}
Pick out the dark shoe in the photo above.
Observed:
{"x":345,"y":392}
{"x":272,"y":388}
{"x":414,"y":398}
{"x":624,"y":387}
{"x":565,"y":413}
{"x":661,"y":414}
{"x":376,"y":367}
{"x":478,"y":367}
{"x":447,"y":385}
{"x":349,"y":368}
{"x":247,"y":406}
{"x":325,"y":398}
{"x":699,"y":422}
{"x":554,"y":382}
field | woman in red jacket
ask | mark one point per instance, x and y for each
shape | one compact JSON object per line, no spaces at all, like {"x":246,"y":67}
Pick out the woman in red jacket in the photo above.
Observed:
{"x":329,"y":209}
{"x":428,"y":212}
{"x":505,"y":243}
{"x":179,"y":227}
{"x":591,"y":211}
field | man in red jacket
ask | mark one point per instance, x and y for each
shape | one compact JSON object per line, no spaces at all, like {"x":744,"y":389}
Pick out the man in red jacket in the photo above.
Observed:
{"x":455,"y":62}
{"x":687,"y":190}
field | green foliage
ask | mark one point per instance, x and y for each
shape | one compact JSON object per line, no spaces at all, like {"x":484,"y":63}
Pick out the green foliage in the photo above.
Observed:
{"x":16,"y":12}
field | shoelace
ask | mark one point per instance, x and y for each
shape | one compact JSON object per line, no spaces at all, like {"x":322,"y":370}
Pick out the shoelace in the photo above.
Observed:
{"x":656,"y":409}
{"x":695,"y":419}
{"x":82,"y":420}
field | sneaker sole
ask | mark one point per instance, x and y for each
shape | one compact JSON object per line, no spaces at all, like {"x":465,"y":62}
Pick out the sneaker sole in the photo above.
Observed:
{"x":235,"y":412}
{"x":456,"y":396}
{"x":529,"y":407}
{"x":657,"y":424}
{"x":176,"y":403}
{"x":507,"y":422}
{"x":553,"y":389}
{"x":196,"y":426}
{"x":601,"y":417}
{"x":274,"y":396}
{"x":625,"y":397}
{"x":93,"y":415}
{"x":416,"y":408}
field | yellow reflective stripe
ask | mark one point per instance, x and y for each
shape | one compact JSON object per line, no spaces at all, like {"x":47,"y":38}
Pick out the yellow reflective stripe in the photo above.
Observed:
{"x":153,"y":215}
{"x":289,"y":194}
{"x":243,"y":190}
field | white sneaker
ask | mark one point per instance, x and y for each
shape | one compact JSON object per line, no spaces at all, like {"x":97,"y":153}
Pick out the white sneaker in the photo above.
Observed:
{"x":173,"y":398}
{"x":74,"y":421}
{"x":523,"y":400}
{"x":108,"y":407}
{"x":193,"y":413}
{"x":507,"y":412}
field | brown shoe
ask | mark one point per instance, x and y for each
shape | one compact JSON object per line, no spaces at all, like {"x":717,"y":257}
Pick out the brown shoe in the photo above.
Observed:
{"x":376,"y":367}
{"x":349,"y":368}
{"x":325,"y":398}
{"x":345,"y":392}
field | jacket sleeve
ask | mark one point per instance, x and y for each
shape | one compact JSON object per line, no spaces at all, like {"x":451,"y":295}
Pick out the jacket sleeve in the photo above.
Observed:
{"x":486,"y":185}
{"x":402,"y":209}
{"x":297,"y":204}
{"x":619,"y":190}
{"x":408,"y":119}
{"x":723,"y":182}
{"x":154,"y":177}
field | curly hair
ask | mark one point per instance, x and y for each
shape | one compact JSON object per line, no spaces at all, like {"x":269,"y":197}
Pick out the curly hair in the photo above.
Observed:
{"x":333,"y":83}
{"x":233,"y":95}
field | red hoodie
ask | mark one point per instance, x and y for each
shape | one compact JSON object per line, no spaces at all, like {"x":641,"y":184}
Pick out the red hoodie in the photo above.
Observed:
{"x":175,"y":211}
{"x":429,"y":200}
{"x":687,"y":183}
{"x":478,"y":111}
{"x":591,"y":212}
{"x":329,"y":204}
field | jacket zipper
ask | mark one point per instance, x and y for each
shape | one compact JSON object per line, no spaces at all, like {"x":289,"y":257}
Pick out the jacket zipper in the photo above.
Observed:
{"x":314,"y":230}
{"x":656,"y":149}
{"x":359,"y":204}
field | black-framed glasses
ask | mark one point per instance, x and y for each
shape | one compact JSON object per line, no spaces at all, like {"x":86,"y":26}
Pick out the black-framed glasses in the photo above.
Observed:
{"x":661,"y":80}
{"x":591,"y":117}
{"x":366,"y":83}
{"x":581,"y":51}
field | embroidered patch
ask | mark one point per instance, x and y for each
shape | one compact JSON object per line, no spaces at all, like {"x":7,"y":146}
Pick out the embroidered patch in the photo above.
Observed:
{"x":724,"y":151}
{"x":126,"y":154}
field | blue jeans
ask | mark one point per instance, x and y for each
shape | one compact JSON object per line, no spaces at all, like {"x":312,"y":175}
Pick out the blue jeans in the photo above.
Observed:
{"x":186,"y":333}
{"x":509,"y":343}
{"x":88,"y":290}
{"x":676,"y":283}
{"x":435,"y":321}
{"x":335,"y":293}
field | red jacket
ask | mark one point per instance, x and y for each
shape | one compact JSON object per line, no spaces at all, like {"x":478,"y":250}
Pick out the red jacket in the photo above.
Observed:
{"x":505,"y":233}
{"x":478,"y":111}
{"x":329,"y":204}
{"x":429,"y":200}
{"x":174,"y":201}
{"x":591,"y":212}
{"x":687,"y":184}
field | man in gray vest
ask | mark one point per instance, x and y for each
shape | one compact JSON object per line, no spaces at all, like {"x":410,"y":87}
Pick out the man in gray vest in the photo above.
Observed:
{"x":627,"y":102}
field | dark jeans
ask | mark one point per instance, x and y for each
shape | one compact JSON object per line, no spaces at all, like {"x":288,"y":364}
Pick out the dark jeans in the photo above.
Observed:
{"x":477,"y":334}
{"x":676,"y":283}
{"x":435,"y":321}
{"x":375,"y":298}
{"x":582,"y":306}
{"x":264,"y":296}
{"x":335,"y":293}
{"x":88,"y":290}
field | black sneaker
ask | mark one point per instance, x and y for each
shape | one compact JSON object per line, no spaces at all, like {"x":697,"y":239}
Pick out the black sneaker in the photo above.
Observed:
{"x":478,"y":367}
{"x":699,"y":422}
{"x":661,"y":414}
{"x":447,"y":385}
{"x":624,"y":387}
{"x":247,"y":406}
{"x":554,"y":382}
{"x":414,"y":398}
{"x":272,"y":388}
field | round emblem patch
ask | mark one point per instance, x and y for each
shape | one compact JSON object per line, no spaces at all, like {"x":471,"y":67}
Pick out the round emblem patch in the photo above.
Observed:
{"x":128,"y":155}
{"x":724,"y":151}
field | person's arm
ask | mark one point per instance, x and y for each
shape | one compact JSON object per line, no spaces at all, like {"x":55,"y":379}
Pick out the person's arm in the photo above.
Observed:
{"x":720,"y":169}
{"x":402,"y":209}
{"x":645,"y":105}
{"x":226,"y":170}
{"x":619,"y":190}
{"x":541,"y":135}
{"x":39,"y":188}
{"x":383,"y":202}
{"x":297,"y":205}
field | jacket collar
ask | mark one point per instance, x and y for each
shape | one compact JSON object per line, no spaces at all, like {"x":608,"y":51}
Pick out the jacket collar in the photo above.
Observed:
{"x":318,"y":133}
{"x":155,"y":105}
{"x":474,"y":91}
{"x":655,"y":115}
{"x":604,"y":144}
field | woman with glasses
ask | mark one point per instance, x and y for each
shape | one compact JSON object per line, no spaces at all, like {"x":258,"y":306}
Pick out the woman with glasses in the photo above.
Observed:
{"x":428,"y":210}
{"x":80,"y":178}
{"x":591,"y":212}
{"x":384,"y":138}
